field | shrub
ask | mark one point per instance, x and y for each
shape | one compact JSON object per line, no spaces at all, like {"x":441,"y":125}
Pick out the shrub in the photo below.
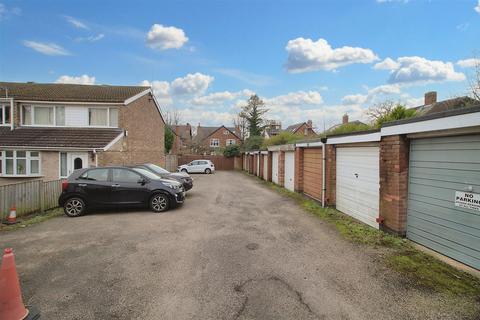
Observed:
{"x":349,"y":127}
{"x":253,"y":143}
{"x":231,"y":151}
{"x":397,"y":113}
{"x":283,"y":137}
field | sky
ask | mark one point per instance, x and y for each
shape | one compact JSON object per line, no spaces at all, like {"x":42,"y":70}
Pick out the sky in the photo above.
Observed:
{"x":306,"y":59}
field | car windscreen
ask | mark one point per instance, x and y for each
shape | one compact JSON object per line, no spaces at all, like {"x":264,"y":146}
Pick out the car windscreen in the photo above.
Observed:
{"x":156,"y":168}
{"x":147,"y":173}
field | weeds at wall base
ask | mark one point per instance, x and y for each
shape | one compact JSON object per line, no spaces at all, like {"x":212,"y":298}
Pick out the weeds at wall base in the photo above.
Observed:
{"x":419,"y":268}
{"x":26,"y":221}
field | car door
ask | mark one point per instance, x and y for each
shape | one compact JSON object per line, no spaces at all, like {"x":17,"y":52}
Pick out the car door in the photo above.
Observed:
{"x":96,"y":185}
{"x":127,"y":187}
{"x":193,"y":166}
{"x":203,"y":165}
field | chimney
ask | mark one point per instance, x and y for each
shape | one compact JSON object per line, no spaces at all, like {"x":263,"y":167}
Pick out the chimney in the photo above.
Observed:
{"x":345,"y":119}
{"x":430,"y":97}
{"x":309,"y":123}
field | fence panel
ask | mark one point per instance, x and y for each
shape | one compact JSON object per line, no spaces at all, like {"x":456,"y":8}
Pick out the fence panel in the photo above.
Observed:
{"x":30,"y":196}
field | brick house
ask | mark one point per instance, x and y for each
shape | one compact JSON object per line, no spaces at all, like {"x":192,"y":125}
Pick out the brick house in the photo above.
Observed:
{"x":274,"y":128}
{"x":48,"y":130}
{"x":182,"y":139}
{"x":212,"y":139}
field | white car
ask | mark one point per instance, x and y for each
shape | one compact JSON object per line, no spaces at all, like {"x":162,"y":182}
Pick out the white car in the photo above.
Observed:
{"x":198,"y":166}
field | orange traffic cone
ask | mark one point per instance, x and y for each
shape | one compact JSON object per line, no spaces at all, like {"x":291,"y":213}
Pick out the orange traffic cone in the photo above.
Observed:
{"x":12,"y":217}
{"x":11,"y":303}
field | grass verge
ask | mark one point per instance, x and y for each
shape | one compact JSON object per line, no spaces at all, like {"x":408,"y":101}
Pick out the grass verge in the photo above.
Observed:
{"x":421,"y":269}
{"x":32,"y":219}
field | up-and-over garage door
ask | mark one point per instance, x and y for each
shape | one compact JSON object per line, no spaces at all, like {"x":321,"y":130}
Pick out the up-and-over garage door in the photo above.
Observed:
{"x":358,"y":183}
{"x":289,"y":180}
{"x":275,"y":167}
{"x":265,"y":167}
{"x":312,"y":172}
{"x":444,"y":187}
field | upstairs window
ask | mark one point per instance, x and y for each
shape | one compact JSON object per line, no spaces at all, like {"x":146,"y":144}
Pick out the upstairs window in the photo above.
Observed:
{"x":103,"y":117}
{"x":230,"y":142}
{"x":214,"y":143}
{"x":5,"y":114}
{"x":43,"y":115}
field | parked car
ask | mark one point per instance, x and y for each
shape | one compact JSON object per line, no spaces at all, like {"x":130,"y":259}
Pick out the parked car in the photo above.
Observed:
{"x":198,"y":166}
{"x":118,"y":186}
{"x":181,"y":177}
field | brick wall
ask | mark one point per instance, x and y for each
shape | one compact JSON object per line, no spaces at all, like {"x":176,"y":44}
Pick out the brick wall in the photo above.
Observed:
{"x":298,"y":178}
{"x":331,"y":175}
{"x":222,"y":135}
{"x":394,"y":158}
{"x":281,"y":168}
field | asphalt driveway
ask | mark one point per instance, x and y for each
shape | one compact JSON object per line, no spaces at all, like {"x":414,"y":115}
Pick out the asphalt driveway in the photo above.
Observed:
{"x":234,"y":250}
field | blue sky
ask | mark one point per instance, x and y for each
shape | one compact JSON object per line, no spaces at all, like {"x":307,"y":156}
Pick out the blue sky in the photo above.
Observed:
{"x":307,"y":59}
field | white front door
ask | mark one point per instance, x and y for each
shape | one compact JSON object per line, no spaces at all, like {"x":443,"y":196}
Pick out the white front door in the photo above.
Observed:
{"x":77,"y":160}
{"x":290,"y":170}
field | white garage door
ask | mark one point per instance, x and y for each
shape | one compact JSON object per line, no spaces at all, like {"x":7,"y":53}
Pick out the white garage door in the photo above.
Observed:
{"x":358,"y":183}
{"x":265,"y":167}
{"x":290,"y":170}
{"x":258,"y":164}
{"x":275,"y":167}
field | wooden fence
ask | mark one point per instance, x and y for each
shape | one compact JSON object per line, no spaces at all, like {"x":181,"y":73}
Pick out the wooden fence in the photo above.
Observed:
{"x":28,"y":197}
{"x":220,"y":162}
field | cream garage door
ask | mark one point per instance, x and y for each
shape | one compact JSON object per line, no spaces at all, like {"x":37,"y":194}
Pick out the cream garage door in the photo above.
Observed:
{"x":275,"y":167}
{"x":290,"y":170}
{"x":358,"y":183}
{"x":265,"y":167}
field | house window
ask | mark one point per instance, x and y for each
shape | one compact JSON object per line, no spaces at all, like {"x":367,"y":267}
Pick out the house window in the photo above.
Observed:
{"x":20,"y":163}
{"x":230,"y":142}
{"x":103,"y":117}
{"x":5,"y":114}
{"x":43,"y":115}
{"x":214,"y":143}
{"x":63,"y":165}
{"x":226,"y":132}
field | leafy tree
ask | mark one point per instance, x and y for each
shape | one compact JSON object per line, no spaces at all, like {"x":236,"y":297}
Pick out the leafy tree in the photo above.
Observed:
{"x":283,"y":137}
{"x":231,"y":150}
{"x":253,"y":143}
{"x":349,"y":127}
{"x":252,"y":113}
{"x":397,"y":113}
{"x":169,"y":138}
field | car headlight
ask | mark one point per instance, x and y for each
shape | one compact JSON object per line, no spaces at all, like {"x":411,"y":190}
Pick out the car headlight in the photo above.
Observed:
{"x":173,"y":186}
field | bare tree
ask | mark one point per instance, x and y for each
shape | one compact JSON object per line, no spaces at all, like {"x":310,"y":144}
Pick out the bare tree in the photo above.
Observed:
{"x":474,"y":80}
{"x":242,"y":125}
{"x":173,"y":117}
{"x":379,"y":110}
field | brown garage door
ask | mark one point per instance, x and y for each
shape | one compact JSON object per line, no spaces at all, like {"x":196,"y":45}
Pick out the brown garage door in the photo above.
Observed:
{"x":312,"y":172}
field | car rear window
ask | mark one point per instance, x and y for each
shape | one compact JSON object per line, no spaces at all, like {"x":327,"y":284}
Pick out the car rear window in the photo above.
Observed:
{"x":124,"y":175}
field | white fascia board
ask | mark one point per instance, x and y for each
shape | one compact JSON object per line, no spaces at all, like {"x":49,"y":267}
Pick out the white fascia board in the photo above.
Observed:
{"x":453,"y":122}
{"x":47,"y":148}
{"x":108,"y":146}
{"x":79,"y":103}
{"x":369,"y":137}
{"x":263,"y":152}
{"x":309,"y":144}
{"x":137,"y":96}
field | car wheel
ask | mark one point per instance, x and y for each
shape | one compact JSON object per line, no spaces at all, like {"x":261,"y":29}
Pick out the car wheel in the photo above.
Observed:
{"x":208,"y":171}
{"x":74,"y":207}
{"x":159,"y":202}
{"x":184,"y":170}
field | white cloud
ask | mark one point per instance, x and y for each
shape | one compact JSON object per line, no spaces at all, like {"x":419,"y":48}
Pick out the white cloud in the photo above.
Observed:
{"x":353,"y":99}
{"x":298,"y":98}
{"x":191,"y":84}
{"x":92,"y":38}
{"x":468,"y":63}
{"x":6,"y":13}
{"x":50,"y":49}
{"x":247,"y":77}
{"x":161,"y":90}
{"x":477,"y":7}
{"x":372,"y":94}
{"x":218,"y":98}
{"x":83,"y":79}
{"x":463,"y":26}
{"x":76,"y":23}
{"x":306,"y":55}
{"x":163,"y":38}
{"x":387,"y":64}
{"x":420,"y":70}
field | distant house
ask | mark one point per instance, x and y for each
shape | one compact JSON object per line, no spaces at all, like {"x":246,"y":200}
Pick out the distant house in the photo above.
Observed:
{"x":49,"y":130}
{"x":211,"y":139}
{"x":182,"y":139}
{"x":274,"y":127}
{"x":345,"y":121}
{"x":431,"y":105}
